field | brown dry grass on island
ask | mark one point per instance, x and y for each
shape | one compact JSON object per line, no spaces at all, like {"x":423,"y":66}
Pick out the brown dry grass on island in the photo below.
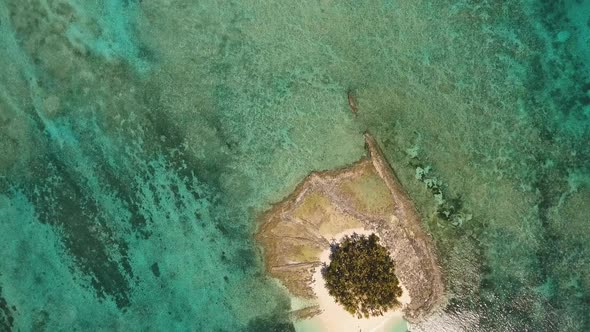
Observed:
{"x":367,"y":195}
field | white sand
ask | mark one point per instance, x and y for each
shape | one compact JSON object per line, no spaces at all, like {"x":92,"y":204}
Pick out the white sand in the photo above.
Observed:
{"x":335,"y":318}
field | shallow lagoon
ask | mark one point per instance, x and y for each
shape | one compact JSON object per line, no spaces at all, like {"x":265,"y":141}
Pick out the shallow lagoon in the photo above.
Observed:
{"x":141,"y":139}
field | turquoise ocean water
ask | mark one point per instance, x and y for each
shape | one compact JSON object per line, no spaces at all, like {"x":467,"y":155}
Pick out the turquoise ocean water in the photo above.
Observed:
{"x":140,"y":139}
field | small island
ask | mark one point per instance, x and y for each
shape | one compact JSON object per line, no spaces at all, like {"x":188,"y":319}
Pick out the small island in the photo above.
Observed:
{"x":299,"y":234}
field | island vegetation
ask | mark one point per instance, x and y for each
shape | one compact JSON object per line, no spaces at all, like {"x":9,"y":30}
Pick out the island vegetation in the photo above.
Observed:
{"x":360,"y":276}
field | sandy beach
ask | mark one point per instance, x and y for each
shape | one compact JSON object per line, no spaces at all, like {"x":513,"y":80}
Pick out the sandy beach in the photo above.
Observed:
{"x":335,"y":318}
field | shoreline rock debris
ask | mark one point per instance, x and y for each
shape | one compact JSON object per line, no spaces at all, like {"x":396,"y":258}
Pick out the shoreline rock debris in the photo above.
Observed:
{"x":352,"y":102}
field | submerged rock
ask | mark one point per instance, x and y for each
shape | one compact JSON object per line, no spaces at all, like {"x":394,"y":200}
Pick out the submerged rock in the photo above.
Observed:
{"x":365,"y":195}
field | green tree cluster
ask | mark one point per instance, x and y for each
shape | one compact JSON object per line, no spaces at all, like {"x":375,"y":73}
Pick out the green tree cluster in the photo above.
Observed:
{"x":361,"y":276}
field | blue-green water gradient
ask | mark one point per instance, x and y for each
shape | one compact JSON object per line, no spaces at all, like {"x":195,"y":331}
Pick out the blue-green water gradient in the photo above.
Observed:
{"x":140,"y":140}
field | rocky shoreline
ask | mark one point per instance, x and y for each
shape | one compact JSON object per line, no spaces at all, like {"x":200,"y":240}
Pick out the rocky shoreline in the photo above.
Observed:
{"x":364,"y":195}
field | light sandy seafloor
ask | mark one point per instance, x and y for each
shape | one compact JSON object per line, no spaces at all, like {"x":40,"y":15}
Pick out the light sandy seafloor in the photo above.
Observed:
{"x":333,"y":316}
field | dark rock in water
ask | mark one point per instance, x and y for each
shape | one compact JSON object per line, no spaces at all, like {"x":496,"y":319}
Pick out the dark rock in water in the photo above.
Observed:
{"x":155,"y":269}
{"x":270,"y":325}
